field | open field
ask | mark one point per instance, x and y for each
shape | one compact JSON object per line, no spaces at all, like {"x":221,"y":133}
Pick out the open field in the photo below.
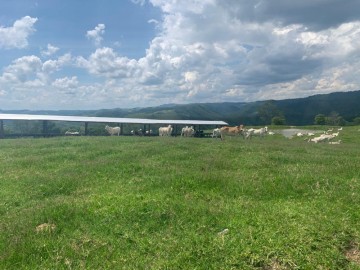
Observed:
{"x":180,"y":203}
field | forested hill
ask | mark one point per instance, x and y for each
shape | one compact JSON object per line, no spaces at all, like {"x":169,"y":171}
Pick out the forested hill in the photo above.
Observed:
{"x":301,"y":111}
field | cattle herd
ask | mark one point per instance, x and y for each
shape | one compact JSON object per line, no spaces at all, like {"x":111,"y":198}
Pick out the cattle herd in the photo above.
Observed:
{"x":223,"y":132}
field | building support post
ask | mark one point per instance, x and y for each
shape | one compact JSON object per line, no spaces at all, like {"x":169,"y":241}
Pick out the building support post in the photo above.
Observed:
{"x":86,"y":128}
{"x":2,"y":134}
{"x":45,"y":128}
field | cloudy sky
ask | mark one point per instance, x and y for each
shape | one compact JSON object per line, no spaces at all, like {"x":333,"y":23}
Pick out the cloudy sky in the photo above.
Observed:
{"x":66,"y":54}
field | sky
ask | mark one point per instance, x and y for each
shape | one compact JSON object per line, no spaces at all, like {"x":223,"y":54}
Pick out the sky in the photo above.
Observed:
{"x":94,"y":54}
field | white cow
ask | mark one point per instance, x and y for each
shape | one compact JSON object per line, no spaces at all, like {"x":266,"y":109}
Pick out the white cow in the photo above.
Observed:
{"x":300,"y":134}
{"x":322,"y":138}
{"x":113,"y":130}
{"x":256,"y":132}
{"x":188,"y":131}
{"x":183,"y":131}
{"x":165,"y":131}
{"x":74,"y":133}
{"x":216,"y":133}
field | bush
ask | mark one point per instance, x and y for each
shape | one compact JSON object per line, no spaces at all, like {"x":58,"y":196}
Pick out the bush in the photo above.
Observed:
{"x":278,"y":120}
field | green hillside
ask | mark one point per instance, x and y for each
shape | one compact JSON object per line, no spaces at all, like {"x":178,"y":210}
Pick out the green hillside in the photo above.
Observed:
{"x":301,"y":111}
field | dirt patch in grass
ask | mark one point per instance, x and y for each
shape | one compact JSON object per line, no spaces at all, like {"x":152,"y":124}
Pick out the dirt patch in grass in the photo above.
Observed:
{"x":45,"y":227}
{"x":276,"y":265}
{"x":352,"y":253}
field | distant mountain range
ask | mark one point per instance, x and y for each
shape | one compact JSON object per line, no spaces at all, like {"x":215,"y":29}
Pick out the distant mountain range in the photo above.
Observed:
{"x":300,"y":111}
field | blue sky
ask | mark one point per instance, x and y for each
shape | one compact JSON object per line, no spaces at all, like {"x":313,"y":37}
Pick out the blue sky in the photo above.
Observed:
{"x":137,"y":53}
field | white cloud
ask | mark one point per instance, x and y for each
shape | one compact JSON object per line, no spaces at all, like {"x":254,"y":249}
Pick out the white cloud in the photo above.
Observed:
{"x":107,"y":63}
{"x":16,"y":36}
{"x":139,"y":2}
{"x":233,"y":55}
{"x":51,"y":65}
{"x":50,"y":50}
{"x":23,"y":69}
{"x":191,"y":76}
{"x":28,"y":76}
{"x":209,"y":51}
{"x":96,"y":34}
{"x":66,"y":83}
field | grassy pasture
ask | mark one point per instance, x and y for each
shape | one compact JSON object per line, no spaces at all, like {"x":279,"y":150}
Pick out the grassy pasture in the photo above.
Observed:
{"x":162,"y":203}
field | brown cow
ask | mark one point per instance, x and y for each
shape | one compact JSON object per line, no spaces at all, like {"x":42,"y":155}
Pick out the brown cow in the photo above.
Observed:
{"x":232,"y":131}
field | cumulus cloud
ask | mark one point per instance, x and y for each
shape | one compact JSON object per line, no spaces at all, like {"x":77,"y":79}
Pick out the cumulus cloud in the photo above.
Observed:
{"x":31,"y":70}
{"x":50,"y":50}
{"x":96,"y":34}
{"x":23,"y":69}
{"x":16,"y":36}
{"x":106,"y":62}
{"x":313,"y":14}
{"x":66,"y":83}
{"x":139,"y":2}
{"x":53,"y":65}
{"x":214,"y":50}
{"x":248,"y":47}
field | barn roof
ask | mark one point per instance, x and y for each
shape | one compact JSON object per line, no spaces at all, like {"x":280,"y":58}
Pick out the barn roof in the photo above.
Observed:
{"x":107,"y":119}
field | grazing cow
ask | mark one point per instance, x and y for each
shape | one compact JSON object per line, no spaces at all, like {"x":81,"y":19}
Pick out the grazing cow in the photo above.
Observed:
{"x":70,"y":133}
{"x":113,"y":130}
{"x":165,"y":131}
{"x":137,"y":132}
{"x":216,"y":133}
{"x":187,"y":131}
{"x":231,"y":131}
{"x":256,"y":132}
{"x":148,"y":132}
{"x":183,"y":131}
{"x":322,"y":138}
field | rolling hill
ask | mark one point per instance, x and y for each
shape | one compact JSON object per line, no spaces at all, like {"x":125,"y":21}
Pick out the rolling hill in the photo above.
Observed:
{"x":300,"y":111}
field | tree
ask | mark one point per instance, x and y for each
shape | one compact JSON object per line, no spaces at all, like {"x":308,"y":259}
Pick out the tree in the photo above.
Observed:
{"x":278,"y":120}
{"x":267,"y":111}
{"x":335,"y":119}
{"x":320,"y":119}
{"x":357,"y":120}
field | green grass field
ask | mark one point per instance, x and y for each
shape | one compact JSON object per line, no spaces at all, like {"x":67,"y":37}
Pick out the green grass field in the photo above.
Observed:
{"x":162,"y":203}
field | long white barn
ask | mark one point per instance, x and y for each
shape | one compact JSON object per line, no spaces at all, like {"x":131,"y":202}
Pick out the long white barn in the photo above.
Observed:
{"x":86,"y":120}
{"x":106,"y":119}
